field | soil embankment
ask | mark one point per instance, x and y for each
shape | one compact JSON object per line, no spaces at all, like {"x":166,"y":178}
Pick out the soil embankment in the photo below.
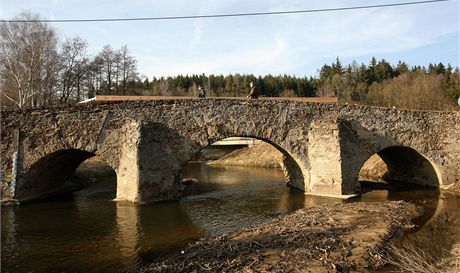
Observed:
{"x":94,"y":170}
{"x":328,"y":238}
{"x":260,"y":155}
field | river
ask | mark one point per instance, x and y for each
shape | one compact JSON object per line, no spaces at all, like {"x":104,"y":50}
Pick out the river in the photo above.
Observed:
{"x":86,"y":232}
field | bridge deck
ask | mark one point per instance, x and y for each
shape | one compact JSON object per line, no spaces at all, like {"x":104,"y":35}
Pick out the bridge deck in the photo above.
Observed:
{"x":131,"y":98}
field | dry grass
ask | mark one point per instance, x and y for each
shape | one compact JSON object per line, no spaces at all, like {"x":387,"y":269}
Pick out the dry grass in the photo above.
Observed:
{"x":412,"y":260}
{"x":433,"y":249}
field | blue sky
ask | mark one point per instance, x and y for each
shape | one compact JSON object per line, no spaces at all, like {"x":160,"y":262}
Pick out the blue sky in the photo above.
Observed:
{"x":296,"y":44}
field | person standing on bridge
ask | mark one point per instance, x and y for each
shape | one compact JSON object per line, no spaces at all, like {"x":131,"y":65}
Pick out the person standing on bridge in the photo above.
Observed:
{"x":252,"y":91}
{"x":200,"y":92}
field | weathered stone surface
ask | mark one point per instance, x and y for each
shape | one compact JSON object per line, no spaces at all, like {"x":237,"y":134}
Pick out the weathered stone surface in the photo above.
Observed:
{"x":148,"y":142}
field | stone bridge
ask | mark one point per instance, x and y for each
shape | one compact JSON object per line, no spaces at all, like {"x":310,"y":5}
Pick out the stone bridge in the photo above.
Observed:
{"x":147,"y":143}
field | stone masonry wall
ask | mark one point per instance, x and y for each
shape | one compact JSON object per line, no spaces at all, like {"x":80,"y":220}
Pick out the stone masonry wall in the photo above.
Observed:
{"x":365,"y":131}
{"x":148,"y":142}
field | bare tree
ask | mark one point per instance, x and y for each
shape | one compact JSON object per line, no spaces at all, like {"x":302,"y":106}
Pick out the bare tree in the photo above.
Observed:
{"x":117,"y":58}
{"x":74,"y":62}
{"x":29,"y":62}
{"x":93,"y":76}
{"x":96,"y":68}
{"x":107,"y":55}
{"x":128,"y":66}
{"x":163,"y":87}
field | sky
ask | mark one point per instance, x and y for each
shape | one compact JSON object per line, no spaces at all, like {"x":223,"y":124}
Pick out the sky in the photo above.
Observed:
{"x":295,"y":44}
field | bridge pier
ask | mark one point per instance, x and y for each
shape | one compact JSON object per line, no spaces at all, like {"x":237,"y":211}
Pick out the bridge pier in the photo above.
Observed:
{"x":128,"y":177}
{"x":325,"y":161}
{"x":150,"y":170}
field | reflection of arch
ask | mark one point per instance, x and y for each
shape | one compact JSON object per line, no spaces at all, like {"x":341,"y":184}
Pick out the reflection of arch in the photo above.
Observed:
{"x":294,"y":175}
{"x":50,"y":174}
{"x":402,"y":164}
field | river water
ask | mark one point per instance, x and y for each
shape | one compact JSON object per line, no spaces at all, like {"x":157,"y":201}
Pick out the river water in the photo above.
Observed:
{"x":90,"y":233}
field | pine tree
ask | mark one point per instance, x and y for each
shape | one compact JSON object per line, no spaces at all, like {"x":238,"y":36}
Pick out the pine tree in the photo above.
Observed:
{"x":401,"y":68}
{"x":383,"y":71}
{"x":337,"y":68}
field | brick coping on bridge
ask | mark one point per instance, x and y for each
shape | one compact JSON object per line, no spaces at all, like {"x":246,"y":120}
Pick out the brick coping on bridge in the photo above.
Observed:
{"x":116,"y":99}
{"x":143,"y":98}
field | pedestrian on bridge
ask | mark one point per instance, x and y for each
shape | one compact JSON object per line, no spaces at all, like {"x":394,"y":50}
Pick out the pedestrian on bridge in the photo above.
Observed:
{"x":252,"y":91}
{"x":200,"y":92}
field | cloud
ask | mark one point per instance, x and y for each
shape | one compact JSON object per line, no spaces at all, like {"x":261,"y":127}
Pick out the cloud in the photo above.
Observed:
{"x":292,"y":44}
{"x":257,"y":60}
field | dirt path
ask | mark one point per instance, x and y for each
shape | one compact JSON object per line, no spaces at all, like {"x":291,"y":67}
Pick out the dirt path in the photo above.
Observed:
{"x":328,"y":238}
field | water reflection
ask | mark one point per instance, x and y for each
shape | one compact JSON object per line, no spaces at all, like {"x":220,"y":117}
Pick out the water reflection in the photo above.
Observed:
{"x":89,"y":233}
{"x":128,"y":233}
{"x":8,"y":235}
{"x":440,"y":232}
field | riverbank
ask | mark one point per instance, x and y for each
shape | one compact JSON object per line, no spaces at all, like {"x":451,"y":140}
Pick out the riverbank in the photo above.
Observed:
{"x":261,"y":155}
{"x":327,"y":238}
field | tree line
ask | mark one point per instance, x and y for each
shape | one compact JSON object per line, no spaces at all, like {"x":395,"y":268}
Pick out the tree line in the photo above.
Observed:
{"x":435,"y":87}
{"x":38,"y":70}
{"x":379,"y":83}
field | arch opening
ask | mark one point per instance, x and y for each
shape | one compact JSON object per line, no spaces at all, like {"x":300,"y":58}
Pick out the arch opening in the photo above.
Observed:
{"x":249,"y":152}
{"x":398,"y":167}
{"x":97,"y":179}
{"x":58,"y":174}
{"x":236,"y":182}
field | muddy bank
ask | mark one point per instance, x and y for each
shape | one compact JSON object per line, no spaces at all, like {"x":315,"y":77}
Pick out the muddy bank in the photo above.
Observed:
{"x":260,"y":155}
{"x":328,"y":238}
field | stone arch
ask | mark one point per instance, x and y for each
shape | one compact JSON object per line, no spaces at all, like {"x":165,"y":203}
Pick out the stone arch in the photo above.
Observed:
{"x":293,"y":173}
{"x":395,"y":164}
{"x":49,"y":174}
{"x":164,"y":149}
